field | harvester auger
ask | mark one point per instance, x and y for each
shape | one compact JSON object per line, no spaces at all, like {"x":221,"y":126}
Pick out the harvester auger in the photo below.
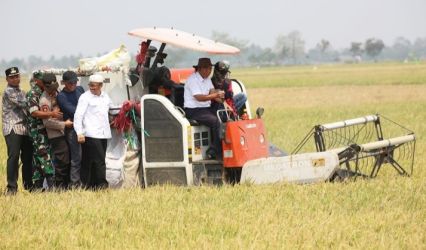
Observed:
{"x":361,"y":146}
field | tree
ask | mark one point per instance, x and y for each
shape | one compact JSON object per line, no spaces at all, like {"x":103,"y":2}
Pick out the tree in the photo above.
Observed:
{"x":224,"y":37}
{"x":356,"y":49}
{"x":290,"y":46}
{"x":373,"y":47}
{"x":283,"y":47}
{"x":401,"y":48}
{"x":260,"y":56}
{"x":419,"y":47}
{"x":323,"y":45}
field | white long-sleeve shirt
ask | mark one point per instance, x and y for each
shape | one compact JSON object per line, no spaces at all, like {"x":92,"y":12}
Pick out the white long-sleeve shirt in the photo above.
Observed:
{"x":196,"y":85}
{"x":91,"y":115}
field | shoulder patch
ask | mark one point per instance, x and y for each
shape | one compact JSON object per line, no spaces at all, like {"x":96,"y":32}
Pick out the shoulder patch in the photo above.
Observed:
{"x":45,"y":108}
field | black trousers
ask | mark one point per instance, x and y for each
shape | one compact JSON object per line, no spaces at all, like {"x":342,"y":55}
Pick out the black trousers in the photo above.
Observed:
{"x":93,"y":168}
{"x":61,"y":161}
{"x":75,"y":156}
{"x":207,"y":116}
{"x":19,"y":145}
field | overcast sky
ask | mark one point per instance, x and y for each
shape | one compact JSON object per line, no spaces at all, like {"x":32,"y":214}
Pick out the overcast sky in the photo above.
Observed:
{"x":63,"y":27}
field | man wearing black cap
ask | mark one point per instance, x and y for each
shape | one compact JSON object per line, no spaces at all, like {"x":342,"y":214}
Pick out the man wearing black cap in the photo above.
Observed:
{"x":56,"y":131}
{"x":199,"y":92}
{"x":220,"y":80}
{"x":42,"y":162}
{"x":15,"y":132}
{"x":67,"y":101}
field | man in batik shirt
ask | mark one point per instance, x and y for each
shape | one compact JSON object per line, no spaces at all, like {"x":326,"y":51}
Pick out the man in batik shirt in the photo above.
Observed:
{"x":15,"y":132}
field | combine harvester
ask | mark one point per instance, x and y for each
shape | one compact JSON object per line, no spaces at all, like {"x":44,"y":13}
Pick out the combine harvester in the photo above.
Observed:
{"x":175,"y":150}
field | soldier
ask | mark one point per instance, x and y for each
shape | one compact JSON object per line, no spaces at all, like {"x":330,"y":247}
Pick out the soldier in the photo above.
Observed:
{"x":42,"y":163}
{"x":55,"y":131}
{"x":15,"y":132}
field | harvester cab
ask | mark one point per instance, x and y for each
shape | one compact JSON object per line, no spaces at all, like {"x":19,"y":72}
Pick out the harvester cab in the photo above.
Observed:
{"x":177,"y":150}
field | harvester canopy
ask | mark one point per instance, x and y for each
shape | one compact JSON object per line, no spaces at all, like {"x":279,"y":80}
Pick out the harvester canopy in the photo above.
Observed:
{"x":184,"y":39}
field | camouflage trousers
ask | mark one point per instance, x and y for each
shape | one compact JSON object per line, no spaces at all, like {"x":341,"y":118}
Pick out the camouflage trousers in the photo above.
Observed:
{"x":42,"y":161}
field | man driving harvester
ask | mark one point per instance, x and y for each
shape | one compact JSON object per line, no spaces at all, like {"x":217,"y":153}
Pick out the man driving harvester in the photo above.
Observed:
{"x":199,"y":92}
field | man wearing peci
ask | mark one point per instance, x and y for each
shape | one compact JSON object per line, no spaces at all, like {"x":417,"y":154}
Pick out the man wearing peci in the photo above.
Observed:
{"x":91,"y":123}
{"x":15,"y":132}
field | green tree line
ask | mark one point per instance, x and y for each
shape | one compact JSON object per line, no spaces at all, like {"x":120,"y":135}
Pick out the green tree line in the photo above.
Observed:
{"x":288,"y":49}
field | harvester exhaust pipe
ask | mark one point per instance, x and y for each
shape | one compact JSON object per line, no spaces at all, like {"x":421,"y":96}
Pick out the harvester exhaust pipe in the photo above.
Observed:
{"x":259,"y":112}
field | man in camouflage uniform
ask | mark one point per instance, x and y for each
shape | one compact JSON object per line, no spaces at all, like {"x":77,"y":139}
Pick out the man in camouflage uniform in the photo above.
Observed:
{"x":42,"y":162}
{"x":15,"y":132}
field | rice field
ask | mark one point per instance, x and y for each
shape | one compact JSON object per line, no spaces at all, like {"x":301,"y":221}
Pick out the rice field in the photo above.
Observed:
{"x":388,"y":212}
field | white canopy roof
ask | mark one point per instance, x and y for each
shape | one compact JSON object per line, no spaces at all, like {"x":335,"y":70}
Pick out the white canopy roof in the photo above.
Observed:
{"x":184,"y":39}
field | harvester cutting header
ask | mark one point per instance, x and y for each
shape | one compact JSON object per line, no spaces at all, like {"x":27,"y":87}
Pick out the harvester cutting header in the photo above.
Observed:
{"x":177,"y":150}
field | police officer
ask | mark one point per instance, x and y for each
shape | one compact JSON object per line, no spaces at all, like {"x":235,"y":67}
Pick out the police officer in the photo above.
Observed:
{"x":55,"y":132}
{"x":42,"y":162}
{"x":15,"y":132}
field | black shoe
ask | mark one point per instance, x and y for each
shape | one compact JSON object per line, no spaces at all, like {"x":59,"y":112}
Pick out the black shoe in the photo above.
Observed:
{"x":50,"y":180}
{"x":211,"y":153}
{"x":11,"y":192}
{"x":38,"y":184}
{"x":29,"y":187}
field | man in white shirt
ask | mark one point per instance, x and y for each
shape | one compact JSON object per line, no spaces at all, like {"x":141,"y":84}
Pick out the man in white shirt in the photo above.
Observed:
{"x":199,"y":92}
{"x":92,"y":126}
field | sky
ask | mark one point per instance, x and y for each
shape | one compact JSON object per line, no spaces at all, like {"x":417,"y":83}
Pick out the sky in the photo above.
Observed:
{"x":88,"y":27}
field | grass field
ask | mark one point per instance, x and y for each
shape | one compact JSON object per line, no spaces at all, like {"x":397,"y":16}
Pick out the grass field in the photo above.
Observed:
{"x":388,"y":212}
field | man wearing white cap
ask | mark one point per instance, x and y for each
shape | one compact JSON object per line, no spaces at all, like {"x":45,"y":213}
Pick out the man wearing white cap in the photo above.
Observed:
{"x":91,"y":124}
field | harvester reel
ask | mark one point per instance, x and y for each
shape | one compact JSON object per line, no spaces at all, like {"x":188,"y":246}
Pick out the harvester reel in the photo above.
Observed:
{"x":361,"y":146}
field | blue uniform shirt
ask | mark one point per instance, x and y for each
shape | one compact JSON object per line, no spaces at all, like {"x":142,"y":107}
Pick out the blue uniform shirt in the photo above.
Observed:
{"x":67,"y":102}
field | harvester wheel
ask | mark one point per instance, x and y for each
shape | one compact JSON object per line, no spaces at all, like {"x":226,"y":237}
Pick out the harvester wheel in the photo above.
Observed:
{"x":232,"y":175}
